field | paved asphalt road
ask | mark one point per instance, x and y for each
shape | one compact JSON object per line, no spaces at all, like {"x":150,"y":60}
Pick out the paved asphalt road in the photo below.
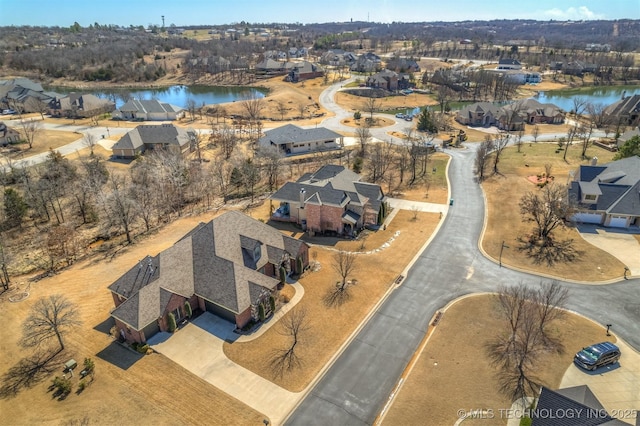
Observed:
{"x":355,"y":388}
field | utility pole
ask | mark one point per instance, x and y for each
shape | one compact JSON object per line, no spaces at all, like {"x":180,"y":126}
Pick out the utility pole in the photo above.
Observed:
{"x":501,"y":249}
{"x":163,"y":21}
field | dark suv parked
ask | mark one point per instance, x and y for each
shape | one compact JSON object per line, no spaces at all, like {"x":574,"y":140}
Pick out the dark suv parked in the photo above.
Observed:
{"x":597,"y":355}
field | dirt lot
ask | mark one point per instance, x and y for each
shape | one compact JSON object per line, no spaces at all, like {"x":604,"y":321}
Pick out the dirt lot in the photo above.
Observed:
{"x":452,"y":372}
{"x":504,"y":222}
{"x":127,"y":386}
{"x":330,"y":326}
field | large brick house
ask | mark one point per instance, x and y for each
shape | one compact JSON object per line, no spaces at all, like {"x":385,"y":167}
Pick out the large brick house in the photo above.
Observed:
{"x":227,"y":266}
{"x":332,"y":199}
{"x":510,"y":117}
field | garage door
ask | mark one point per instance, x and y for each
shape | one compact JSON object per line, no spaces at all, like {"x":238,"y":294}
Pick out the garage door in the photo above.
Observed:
{"x":618,"y":222}
{"x":588,"y":217}
{"x":219,"y":311}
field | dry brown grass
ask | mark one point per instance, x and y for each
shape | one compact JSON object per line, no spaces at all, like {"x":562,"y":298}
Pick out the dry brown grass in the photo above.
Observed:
{"x":453,"y":373}
{"x":357,"y":103}
{"x":45,"y":140}
{"x":330,"y":327}
{"x":152,"y":388}
{"x":504,"y":222}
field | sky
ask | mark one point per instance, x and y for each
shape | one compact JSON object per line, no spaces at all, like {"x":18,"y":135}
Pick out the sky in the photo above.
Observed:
{"x":217,"y":12}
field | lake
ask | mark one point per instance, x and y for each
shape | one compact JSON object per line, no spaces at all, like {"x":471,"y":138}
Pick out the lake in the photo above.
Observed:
{"x":176,"y":95}
{"x":597,"y":95}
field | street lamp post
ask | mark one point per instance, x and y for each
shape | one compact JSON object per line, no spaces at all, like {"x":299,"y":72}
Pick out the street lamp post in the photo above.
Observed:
{"x":501,"y":250}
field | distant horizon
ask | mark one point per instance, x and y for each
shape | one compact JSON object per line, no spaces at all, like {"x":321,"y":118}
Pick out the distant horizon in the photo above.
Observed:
{"x":255,"y":12}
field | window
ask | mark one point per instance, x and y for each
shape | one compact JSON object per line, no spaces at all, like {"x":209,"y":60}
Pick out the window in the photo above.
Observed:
{"x":256,"y":252}
{"x":590,"y":197}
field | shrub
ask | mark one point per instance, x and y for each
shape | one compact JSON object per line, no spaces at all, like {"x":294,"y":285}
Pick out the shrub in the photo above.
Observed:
{"x":171,"y":322}
{"x":81,"y":385}
{"x":299,"y":265}
{"x":261,"y":312}
{"x":89,"y":366}
{"x":283,"y":275}
{"x":63,"y":385}
{"x":143,"y":348}
{"x":272,"y":303}
{"x":357,"y":115}
{"x":285,"y":298}
{"x":187,"y":309}
{"x":357,"y":165}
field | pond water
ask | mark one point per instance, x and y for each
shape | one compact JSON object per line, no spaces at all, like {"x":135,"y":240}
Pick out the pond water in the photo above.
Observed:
{"x":597,"y":95}
{"x":176,"y":95}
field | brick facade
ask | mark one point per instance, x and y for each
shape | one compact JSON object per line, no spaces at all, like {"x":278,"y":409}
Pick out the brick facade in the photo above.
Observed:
{"x":324,"y":218}
{"x":129,"y":334}
{"x":243,"y":318}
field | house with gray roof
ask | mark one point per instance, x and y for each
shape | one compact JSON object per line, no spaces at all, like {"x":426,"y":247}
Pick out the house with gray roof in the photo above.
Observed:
{"x":228,"y":266}
{"x":333,"y":199}
{"x":149,"y":137}
{"x":25,"y":95}
{"x":625,"y":111}
{"x":148,"y":111}
{"x":574,"y":406}
{"x":608,"y":194}
{"x":304,"y":70}
{"x":290,"y":139}
{"x":482,"y":114}
{"x":76,"y":105}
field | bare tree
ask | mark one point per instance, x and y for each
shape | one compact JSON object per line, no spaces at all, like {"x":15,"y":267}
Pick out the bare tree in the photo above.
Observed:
{"x":499,"y":144}
{"x":253,"y":106}
{"x":529,"y":315}
{"x":344,"y":263}
{"x":119,"y":207}
{"x":571,"y":133}
{"x":270,"y":162}
{"x":482,"y":155}
{"x":363,"y":134}
{"x":227,"y":139}
{"x":89,"y":140}
{"x":191,"y":107}
{"x":518,"y":142}
{"x":30,"y":130}
{"x":282,"y":109}
{"x":371,"y":105}
{"x":549,"y":210}
{"x":50,"y":317}
{"x":295,"y":326}
{"x":380,"y":160}
{"x":579,"y":105}
{"x":550,"y":301}
{"x":535,"y":133}
{"x":585,"y":132}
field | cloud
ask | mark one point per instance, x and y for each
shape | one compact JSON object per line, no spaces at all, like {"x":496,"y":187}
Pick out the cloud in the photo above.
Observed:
{"x":572,"y":14}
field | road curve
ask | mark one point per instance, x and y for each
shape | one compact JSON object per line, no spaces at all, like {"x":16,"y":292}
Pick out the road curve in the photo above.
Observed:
{"x":354,"y":389}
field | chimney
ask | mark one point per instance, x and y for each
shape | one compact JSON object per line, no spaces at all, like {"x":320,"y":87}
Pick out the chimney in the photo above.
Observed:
{"x":594,"y":161}
{"x":302,"y":196}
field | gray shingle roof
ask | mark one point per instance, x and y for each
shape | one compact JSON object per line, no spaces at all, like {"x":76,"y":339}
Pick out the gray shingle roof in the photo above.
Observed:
{"x":149,"y":134}
{"x":151,"y":106}
{"x":575,"y":406}
{"x":209,"y":262}
{"x":332,"y":185}
{"x":617,"y":185}
{"x":294,"y":134}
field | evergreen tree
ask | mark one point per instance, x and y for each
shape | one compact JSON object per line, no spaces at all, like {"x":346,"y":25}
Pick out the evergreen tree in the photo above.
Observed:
{"x":15,"y":207}
{"x":426,"y":122}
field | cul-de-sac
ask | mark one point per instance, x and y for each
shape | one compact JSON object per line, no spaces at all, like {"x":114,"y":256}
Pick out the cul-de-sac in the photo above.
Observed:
{"x":342,"y":213}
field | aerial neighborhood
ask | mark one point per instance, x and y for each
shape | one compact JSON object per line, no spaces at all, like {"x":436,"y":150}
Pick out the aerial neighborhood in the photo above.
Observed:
{"x":349,"y":222}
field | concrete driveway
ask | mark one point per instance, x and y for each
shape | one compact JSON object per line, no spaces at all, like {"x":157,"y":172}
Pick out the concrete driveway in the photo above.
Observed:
{"x":198,"y":348}
{"x":616,"y":386}
{"x":620,"y":243}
